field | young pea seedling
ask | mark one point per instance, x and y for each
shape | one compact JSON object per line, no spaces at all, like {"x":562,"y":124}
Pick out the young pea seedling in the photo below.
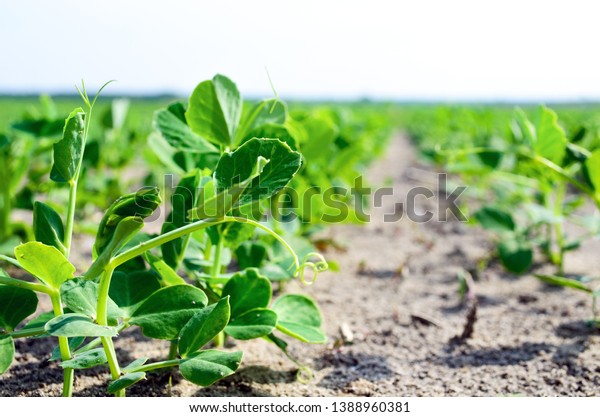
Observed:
{"x":129,"y":284}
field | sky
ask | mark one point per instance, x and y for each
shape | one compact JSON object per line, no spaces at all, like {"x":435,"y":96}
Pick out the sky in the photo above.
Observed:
{"x":401,"y":50}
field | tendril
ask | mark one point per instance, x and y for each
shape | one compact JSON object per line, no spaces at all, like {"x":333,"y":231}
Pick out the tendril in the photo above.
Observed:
{"x":317,"y":265}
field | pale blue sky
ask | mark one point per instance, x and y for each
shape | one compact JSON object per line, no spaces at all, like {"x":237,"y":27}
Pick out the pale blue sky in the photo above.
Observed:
{"x":482,"y":50}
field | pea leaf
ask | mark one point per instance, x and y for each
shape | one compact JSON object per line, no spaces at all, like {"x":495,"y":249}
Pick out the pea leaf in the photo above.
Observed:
{"x":163,"y":315}
{"x":171,"y":123}
{"x":47,"y":226}
{"x":298,"y":316}
{"x":167,"y":275}
{"x":214,"y":110}
{"x":247,"y":290}
{"x":254,"y":323}
{"x":7,"y":353}
{"x":86,"y":360}
{"x":16,"y":304}
{"x":81,"y":296}
{"x":44,"y":262}
{"x":184,"y":199}
{"x":130,"y":290}
{"x":265,"y":112}
{"x":517,"y":257}
{"x":203,"y":327}
{"x":551,"y":142}
{"x":592,"y":165}
{"x":208,"y":366}
{"x":125,"y":381}
{"x":239,"y":165}
{"x":494,"y":219}
{"x":69,"y":150}
{"x":74,"y":324}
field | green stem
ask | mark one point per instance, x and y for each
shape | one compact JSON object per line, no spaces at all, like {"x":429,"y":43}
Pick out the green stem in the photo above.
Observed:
{"x":102,"y":320}
{"x":158,"y":365}
{"x":191,"y":228}
{"x":71,"y":214}
{"x":35,"y":331}
{"x":173,"y":347}
{"x":219,"y":340}
{"x":63,"y":345}
{"x":10,"y":260}
{"x":558,"y":225}
{"x":113,"y":363}
{"x":26,"y":285}
{"x":5,"y":208}
{"x":216,"y":266}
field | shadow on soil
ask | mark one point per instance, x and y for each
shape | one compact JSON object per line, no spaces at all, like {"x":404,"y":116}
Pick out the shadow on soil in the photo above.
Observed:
{"x":350,"y":367}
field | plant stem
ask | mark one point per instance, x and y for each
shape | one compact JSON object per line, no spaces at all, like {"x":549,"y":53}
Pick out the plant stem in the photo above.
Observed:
{"x":10,"y":260}
{"x":71,"y":214}
{"x":219,"y":340}
{"x":63,"y":345}
{"x":173,"y":349}
{"x":5,"y":207}
{"x":26,"y":285}
{"x":158,"y":365}
{"x":35,"y":331}
{"x":102,"y":320}
{"x":558,"y":225}
{"x":216,"y":266}
{"x":191,"y":228}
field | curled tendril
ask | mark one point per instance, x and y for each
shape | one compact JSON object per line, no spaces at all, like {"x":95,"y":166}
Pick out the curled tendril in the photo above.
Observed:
{"x":304,"y":374}
{"x":314,"y":261}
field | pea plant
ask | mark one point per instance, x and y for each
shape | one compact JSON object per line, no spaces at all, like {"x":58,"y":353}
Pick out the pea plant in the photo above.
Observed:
{"x":133,"y":279}
{"x":536,"y":163}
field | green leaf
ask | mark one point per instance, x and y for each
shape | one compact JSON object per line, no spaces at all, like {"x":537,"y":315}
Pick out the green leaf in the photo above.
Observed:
{"x":592,"y":165}
{"x":494,"y":219}
{"x":167,"y":275}
{"x":16,"y":304}
{"x":252,"y":324}
{"x":208,"y":366}
{"x":86,"y":360}
{"x":239,"y":165}
{"x":551,"y":142}
{"x":7,"y":353}
{"x":251,"y":255}
{"x":124,"y":218}
{"x":129,"y":291}
{"x":163,"y":315}
{"x":184,"y":199}
{"x":81,"y":296}
{"x":214,"y":110}
{"x":47,"y":226}
{"x":203,"y":327}
{"x":265,"y":112}
{"x":563,"y":282}
{"x":517,"y":257}
{"x":247,"y":290}
{"x":172,"y":125}
{"x":74,"y":325}
{"x":44,"y":262}
{"x":234,"y":234}
{"x":125,"y":381}
{"x":298,"y":316}
{"x":69,"y":150}
{"x":273,"y":131}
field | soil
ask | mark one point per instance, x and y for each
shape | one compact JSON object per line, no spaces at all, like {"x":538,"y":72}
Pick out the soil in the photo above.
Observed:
{"x":396,"y":296}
